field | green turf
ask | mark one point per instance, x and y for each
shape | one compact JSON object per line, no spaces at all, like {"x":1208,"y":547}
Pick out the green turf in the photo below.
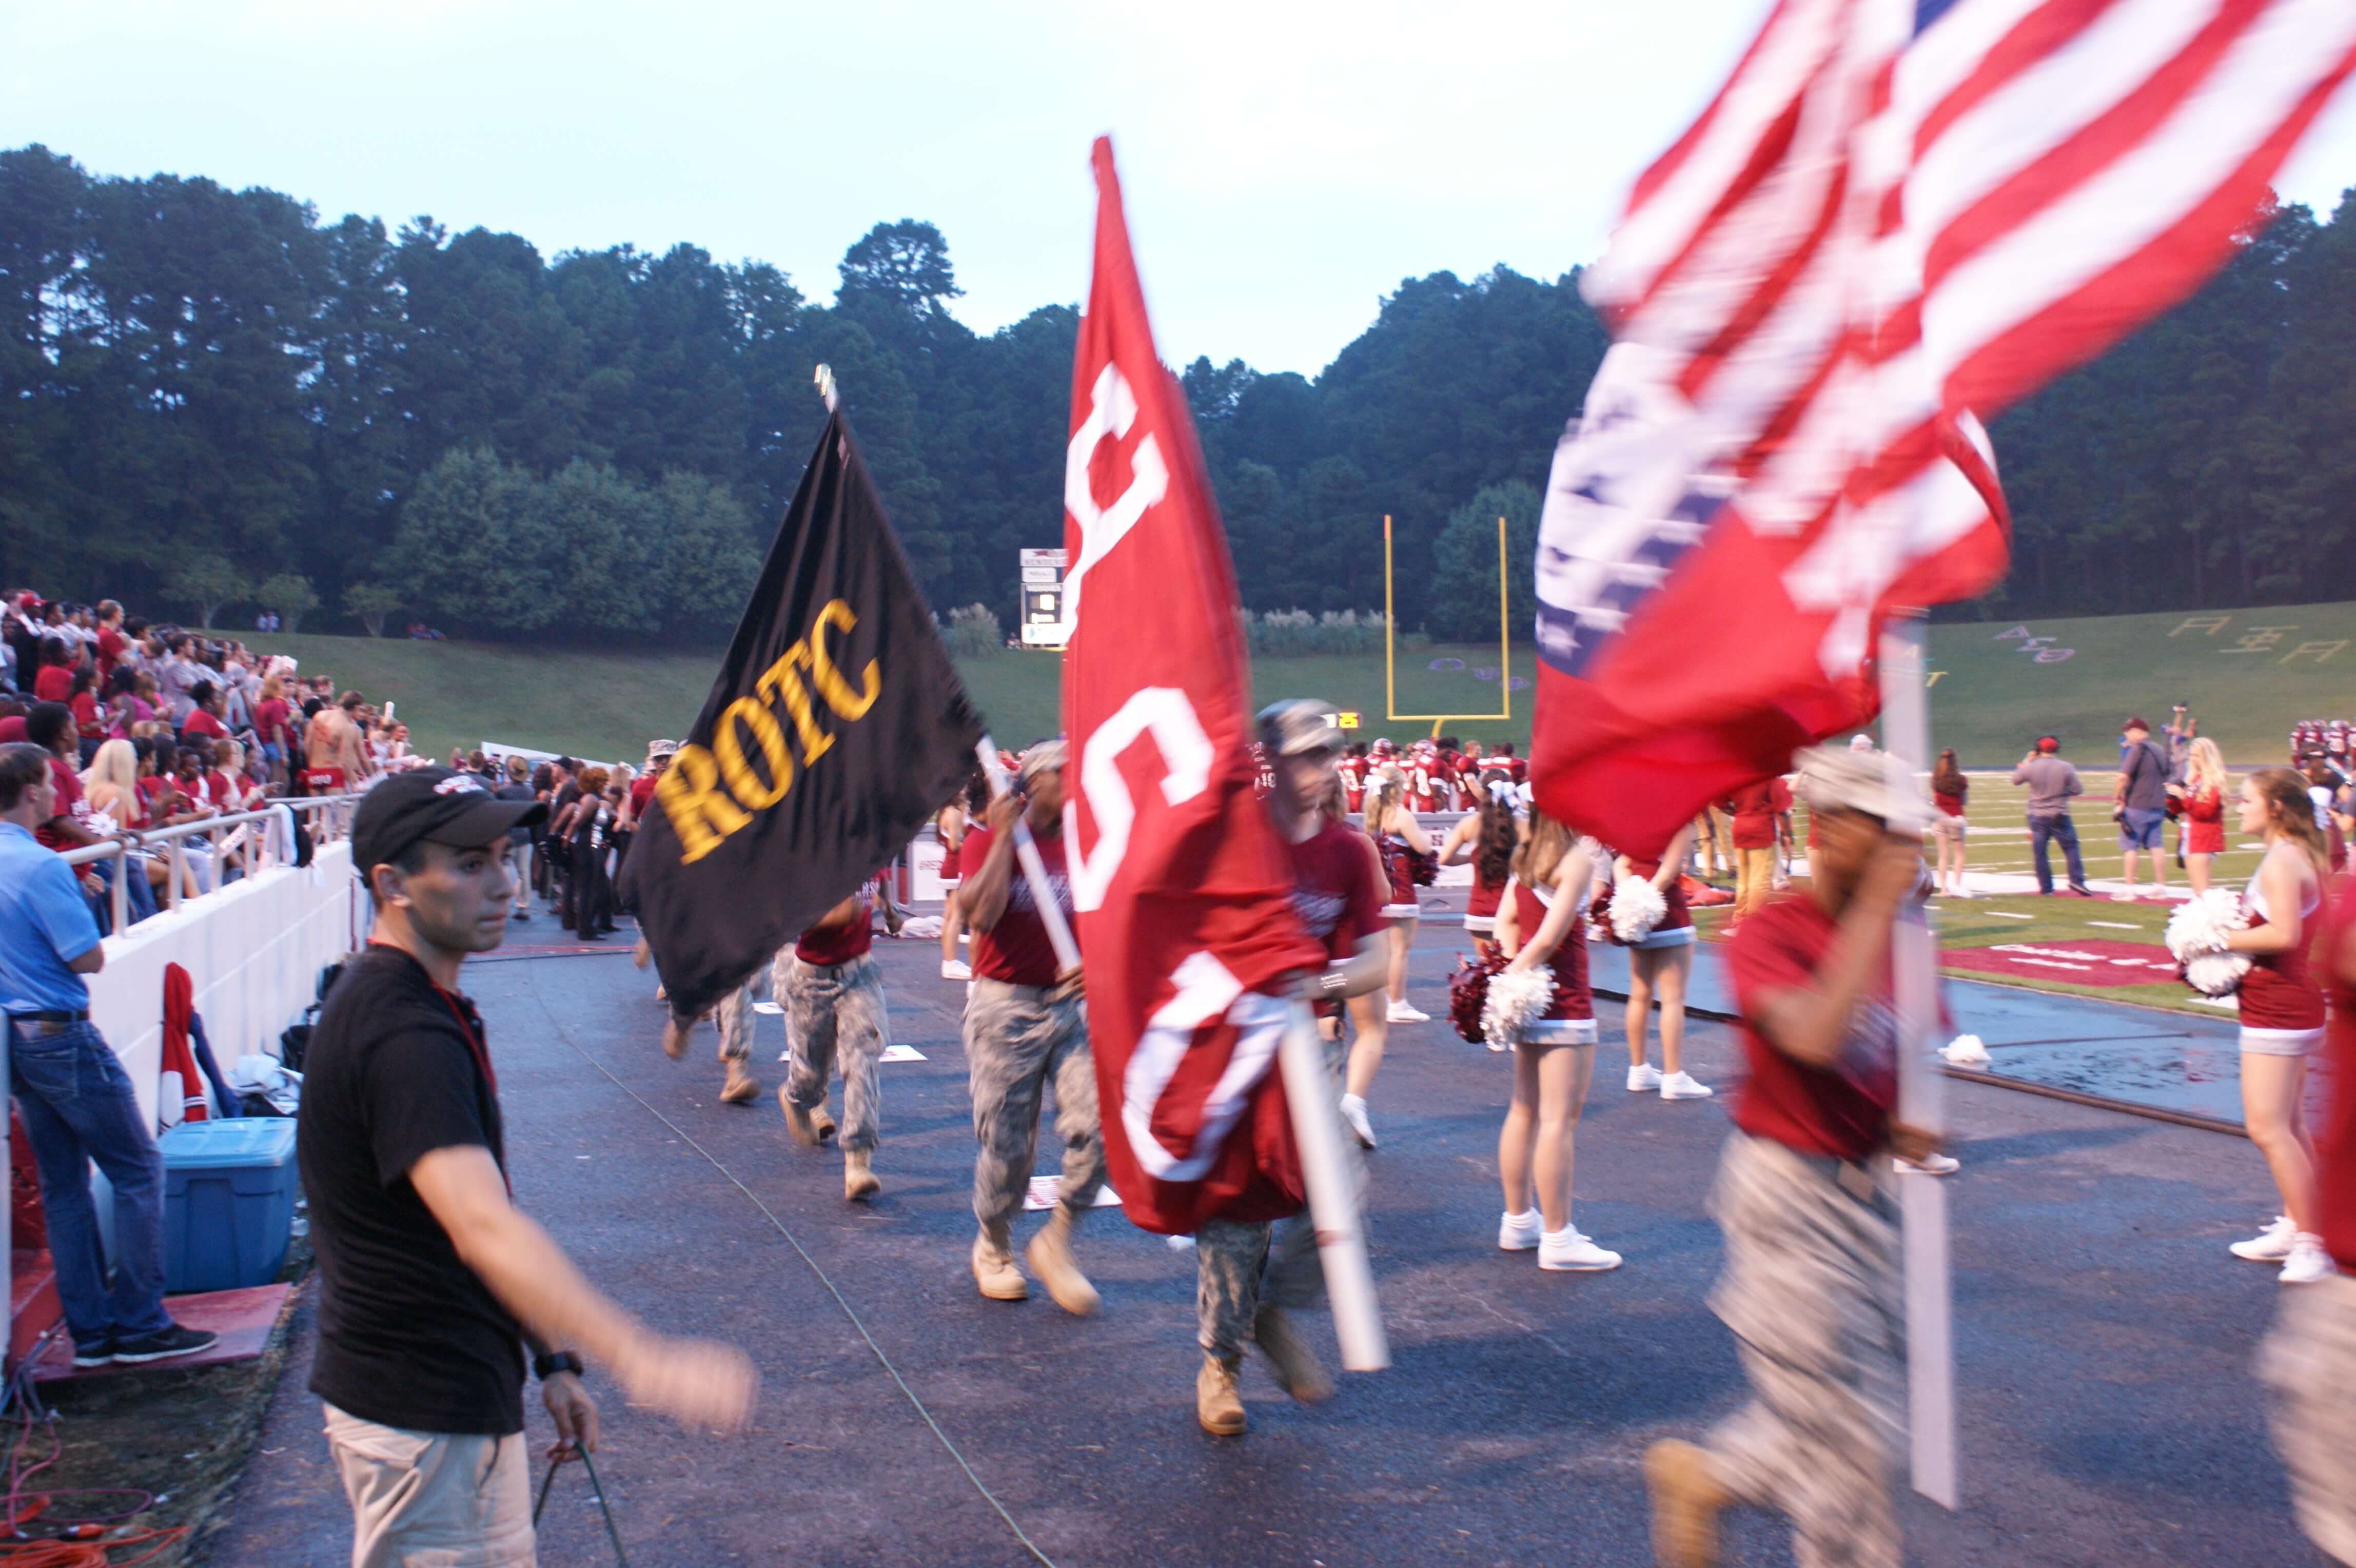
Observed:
{"x":1989,"y":698}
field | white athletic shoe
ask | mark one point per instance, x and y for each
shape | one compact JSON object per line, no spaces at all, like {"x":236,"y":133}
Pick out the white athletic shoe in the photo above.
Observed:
{"x":1569,"y":1251}
{"x":1933,"y":1164}
{"x":2309,"y":1262}
{"x":1407,"y":1013}
{"x":1354,"y":1112}
{"x":956,"y":969}
{"x":1685,"y":1086}
{"x":2126,"y":897}
{"x":2271,"y":1245}
{"x":1519,"y":1232}
{"x":1643,"y":1077}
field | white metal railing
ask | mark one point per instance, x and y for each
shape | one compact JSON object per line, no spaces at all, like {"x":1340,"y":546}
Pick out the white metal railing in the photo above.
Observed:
{"x":257,"y":839}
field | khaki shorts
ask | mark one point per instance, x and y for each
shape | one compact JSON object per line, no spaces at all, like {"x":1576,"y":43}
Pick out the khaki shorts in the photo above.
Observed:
{"x":433,"y":1499}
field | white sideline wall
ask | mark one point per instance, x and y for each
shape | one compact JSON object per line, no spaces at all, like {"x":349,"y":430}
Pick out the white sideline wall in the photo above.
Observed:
{"x":253,"y":951}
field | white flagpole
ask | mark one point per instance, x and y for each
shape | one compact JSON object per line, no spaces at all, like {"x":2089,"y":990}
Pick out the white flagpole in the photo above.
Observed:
{"x":1051,"y":912}
{"x":1332,"y":1196}
{"x":1922,"y":1094}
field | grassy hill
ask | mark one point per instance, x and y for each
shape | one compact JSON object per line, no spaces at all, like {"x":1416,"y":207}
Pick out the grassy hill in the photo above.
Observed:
{"x":1992,"y":692}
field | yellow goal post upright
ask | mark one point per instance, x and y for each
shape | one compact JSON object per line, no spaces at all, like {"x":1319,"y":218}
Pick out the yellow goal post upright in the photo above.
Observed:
{"x":1390,"y":644}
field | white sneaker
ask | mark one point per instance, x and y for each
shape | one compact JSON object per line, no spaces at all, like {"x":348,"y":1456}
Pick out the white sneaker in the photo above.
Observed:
{"x":2309,"y":1262}
{"x":2126,"y":897}
{"x":1519,"y":1232}
{"x":1354,"y":1112}
{"x":1933,"y":1163}
{"x":1569,"y":1251}
{"x":2271,"y":1245}
{"x":1643,"y":1077}
{"x":1405,"y":1013}
{"x":956,"y":969}
{"x":1685,"y":1086}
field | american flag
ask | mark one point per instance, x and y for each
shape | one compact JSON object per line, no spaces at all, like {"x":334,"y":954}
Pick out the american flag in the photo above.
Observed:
{"x":1893,"y":221}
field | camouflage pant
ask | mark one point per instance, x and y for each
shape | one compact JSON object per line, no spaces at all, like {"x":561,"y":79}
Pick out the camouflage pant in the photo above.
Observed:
{"x":834,"y":1009}
{"x":1812,"y":1291}
{"x":1241,"y":1266}
{"x":2309,"y":1362}
{"x":735,"y":1017}
{"x":1017,"y":1037}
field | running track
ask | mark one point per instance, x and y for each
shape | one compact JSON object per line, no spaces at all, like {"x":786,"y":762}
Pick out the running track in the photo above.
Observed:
{"x":2104,"y":1334}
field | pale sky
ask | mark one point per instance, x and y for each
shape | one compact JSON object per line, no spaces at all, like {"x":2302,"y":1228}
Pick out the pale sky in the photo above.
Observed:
{"x":1286,"y":164}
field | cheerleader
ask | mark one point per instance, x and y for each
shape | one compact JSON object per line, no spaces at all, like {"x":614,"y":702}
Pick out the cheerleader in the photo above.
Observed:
{"x":1487,"y":839}
{"x":2204,"y":812}
{"x":1399,"y":837}
{"x":1658,"y":963}
{"x":1554,"y":1057}
{"x":2282,"y":1014}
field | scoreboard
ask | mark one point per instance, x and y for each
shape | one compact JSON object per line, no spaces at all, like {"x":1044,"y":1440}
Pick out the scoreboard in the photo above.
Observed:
{"x":1041,"y":619}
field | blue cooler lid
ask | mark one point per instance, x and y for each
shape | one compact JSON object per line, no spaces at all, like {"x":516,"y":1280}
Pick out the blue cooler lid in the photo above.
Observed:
{"x":235,"y":1141}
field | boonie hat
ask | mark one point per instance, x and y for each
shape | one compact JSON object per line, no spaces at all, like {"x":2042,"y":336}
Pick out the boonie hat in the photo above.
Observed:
{"x":433,"y":805}
{"x":1296,"y":725}
{"x":1872,"y":782}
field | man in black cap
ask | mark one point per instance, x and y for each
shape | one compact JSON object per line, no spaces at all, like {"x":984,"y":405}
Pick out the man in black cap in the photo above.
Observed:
{"x":433,"y":1283}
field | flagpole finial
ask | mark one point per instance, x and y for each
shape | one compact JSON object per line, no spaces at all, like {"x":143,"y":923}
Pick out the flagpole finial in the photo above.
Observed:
{"x":824,"y":378}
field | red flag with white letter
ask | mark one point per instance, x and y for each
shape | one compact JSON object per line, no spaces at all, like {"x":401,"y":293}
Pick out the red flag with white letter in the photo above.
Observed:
{"x":1182,"y":888}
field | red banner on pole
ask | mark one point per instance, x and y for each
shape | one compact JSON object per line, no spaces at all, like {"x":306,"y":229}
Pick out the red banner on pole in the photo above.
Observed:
{"x":1180,"y":886}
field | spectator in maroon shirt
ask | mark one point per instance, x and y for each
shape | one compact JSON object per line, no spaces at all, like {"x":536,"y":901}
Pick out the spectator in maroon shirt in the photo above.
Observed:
{"x":53,"y":681}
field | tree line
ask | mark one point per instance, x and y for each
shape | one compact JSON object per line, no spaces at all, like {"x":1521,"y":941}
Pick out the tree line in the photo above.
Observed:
{"x":216,"y":400}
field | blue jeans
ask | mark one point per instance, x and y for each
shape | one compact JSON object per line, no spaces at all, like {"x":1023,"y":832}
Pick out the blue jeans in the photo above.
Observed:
{"x":2062,"y":830}
{"x":79,"y":1107}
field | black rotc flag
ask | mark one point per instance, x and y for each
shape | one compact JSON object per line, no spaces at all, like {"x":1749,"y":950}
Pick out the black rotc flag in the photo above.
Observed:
{"x":836,"y":729}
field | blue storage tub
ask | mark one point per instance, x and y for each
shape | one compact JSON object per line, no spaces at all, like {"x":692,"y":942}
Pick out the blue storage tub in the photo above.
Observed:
{"x":228,"y":1201}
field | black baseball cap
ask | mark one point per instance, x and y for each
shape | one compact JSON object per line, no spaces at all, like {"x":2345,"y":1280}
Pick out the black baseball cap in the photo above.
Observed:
{"x":434,"y":805}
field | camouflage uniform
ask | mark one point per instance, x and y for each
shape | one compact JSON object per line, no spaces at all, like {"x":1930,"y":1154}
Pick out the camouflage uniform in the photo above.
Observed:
{"x":2309,"y":1362}
{"x":732,"y":1015}
{"x":1242,"y":1267}
{"x":1813,"y":1292}
{"x":1016,"y":1038}
{"x":834,"y":1009}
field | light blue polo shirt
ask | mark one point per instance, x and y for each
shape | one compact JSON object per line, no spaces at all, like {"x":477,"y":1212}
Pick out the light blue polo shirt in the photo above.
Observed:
{"x":45,"y":923}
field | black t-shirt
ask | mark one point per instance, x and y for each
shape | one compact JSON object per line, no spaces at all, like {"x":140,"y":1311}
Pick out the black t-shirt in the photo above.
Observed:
{"x":408,"y":1335}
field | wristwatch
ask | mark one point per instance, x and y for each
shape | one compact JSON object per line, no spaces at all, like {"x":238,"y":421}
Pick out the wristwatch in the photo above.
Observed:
{"x":555,"y":1362}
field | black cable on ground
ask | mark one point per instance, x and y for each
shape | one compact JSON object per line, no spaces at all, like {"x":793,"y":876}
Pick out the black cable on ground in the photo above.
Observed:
{"x":766,"y":1213}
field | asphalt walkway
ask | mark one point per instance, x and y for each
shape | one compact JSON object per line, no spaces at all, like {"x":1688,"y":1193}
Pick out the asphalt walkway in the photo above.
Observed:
{"x":2104,"y":1334}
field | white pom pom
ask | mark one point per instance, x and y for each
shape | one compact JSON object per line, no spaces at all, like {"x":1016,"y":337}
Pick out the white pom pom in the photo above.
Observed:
{"x":2196,"y":937}
{"x":1516,"y":998}
{"x":1967,"y":1050}
{"x":1636,"y":907}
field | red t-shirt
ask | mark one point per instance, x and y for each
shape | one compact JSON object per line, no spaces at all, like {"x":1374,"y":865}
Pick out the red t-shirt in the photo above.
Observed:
{"x":2334,"y":1141}
{"x":1335,"y":889}
{"x":1843,"y":1110}
{"x":1016,"y":949}
{"x":270,"y":720}
{"x":85,"y":711}
{"x":111,"y":644}
{"x":53,"y":683}
{"x":839,"y":944}
{"x":68,"y":785}
{"x":1755,"y":808}
{"x":201,"y":722}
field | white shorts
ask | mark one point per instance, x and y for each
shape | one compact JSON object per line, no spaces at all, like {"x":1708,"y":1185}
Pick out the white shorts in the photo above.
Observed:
{"x":1558,"y":1032}
{"x":2281,"y":1042}
{"x":1676,"y":937}
{"x":1481,"y":925}
{"x":1402,"y":912}
{"x":433,"y":1496}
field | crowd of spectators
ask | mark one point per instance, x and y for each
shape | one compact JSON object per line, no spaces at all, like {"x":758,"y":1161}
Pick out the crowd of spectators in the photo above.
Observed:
{"x":151,"y":725}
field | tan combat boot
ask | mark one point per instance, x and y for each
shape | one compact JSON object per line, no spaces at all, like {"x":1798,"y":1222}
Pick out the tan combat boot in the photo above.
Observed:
{"x":1289,"y":1357}
{"x":1050,"y":1255}
{"x":859,"y":1183}
{"x":1217,"y":1404}
{"x":1686,"y":1499}
{"x":821,"y":1120}
{"x":675,"y":1037}
{"x":993,"y":1267}
{"x":798,"y":1122}
{"x":742,"y":1087}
